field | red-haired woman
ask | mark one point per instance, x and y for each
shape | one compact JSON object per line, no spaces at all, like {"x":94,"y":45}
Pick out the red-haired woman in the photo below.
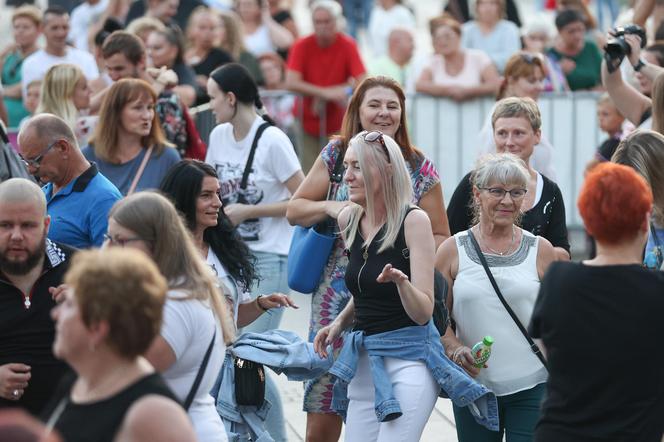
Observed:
{"x":598,"y":320}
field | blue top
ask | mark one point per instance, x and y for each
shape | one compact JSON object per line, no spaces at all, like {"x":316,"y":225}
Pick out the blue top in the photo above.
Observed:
{"x":503,"y":41}
{"x":123,"y":174}
{"x":79,"y":211}
{"x":418,"y":343}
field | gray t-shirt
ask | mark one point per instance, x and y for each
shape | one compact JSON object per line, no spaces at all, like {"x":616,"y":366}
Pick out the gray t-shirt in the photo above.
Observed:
{"x":123,"y":174}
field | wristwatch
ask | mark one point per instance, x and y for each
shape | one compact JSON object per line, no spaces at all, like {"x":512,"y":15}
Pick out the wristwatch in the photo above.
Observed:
{"x":639,"y":65}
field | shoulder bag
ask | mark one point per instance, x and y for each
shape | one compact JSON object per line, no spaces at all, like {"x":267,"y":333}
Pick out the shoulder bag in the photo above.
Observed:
{"x":533,"y":346}
{"x":139,"y":172}
{"x":249,"y":382}
{"x":199,"y":375}
{"x":311,"y":246}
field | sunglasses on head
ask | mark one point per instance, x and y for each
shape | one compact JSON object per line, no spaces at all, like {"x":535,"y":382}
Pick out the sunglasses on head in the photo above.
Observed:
{"x":374,"y":136}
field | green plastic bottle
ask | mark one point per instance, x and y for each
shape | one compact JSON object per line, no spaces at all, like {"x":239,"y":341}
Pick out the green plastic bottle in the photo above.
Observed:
{"x":482,"y":351}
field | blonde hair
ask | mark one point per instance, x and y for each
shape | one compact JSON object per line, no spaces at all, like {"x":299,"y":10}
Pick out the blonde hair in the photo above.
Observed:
{"x":233,"y":41}
{"x":518,"y":107}
{"x":156,"y":221}
{"x":394,"y":180}
{"x":657,"y":96}
{"x":124,"y":288}
{"x":144,"y":25}
{"x":56,"y":95}
{"x":30,"y":12}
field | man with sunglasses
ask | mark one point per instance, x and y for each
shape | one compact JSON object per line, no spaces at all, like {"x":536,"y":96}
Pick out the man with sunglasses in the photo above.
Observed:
{"x":78,"y":196}
{"x":31,"y":266}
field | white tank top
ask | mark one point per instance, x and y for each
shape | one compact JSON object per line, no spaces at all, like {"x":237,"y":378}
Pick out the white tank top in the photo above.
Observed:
{"x":477,"y":310}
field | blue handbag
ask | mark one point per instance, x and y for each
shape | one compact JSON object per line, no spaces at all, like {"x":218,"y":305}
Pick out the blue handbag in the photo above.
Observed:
{"x":311,"y":246}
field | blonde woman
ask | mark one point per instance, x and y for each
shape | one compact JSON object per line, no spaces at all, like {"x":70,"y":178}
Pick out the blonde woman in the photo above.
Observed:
{"x":390,"y":275}
{"x":65,"y":93}
{"x":195,"y":315}
{"x":129,"y":146}
{"x":231,"y":39}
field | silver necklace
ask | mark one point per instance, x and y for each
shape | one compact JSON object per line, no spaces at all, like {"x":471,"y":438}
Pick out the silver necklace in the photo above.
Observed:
{"x":496,"y":252}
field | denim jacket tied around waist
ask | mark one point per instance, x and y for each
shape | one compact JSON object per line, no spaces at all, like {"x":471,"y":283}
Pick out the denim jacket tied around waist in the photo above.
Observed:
{"x":416,"y":343}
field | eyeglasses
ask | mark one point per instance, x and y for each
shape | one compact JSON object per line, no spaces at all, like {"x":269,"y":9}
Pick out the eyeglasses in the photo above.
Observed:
{"x":374,"y":136}
{"x":36,"y":162}
{"x":499,"y":193}
{"x":120,"y":241}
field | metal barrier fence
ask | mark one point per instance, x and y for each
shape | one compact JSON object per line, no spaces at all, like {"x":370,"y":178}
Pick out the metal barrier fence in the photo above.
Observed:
{"x":447,"y":132}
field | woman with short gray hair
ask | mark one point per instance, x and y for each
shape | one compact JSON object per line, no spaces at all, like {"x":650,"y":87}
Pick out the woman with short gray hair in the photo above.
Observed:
{"x":517,"y":260}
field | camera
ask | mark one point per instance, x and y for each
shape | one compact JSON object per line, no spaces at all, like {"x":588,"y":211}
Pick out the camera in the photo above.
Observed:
{"x":617,"y":48}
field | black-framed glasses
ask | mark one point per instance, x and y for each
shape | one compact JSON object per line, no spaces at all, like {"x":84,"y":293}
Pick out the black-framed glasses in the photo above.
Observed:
{"x":36,"y":161}
{"x":374,"y":136}
{"x":120,"y":241}
{"x":499,"y":192}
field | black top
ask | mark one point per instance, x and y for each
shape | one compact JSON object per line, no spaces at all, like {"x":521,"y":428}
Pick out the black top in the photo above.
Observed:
{"x":215,"y":58}
{"x":601,"y":327}
{"x":27,"y":334}
{"x":545,"y":219}
{"x":607,"y":148}
{"x":100,"y":421}
{"x":378,"y":306}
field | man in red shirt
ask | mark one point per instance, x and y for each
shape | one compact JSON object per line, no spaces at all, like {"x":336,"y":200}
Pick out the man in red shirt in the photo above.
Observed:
{"x":323,"y":67}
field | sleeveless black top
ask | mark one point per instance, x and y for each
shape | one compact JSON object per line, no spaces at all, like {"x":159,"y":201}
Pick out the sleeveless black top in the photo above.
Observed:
{"x":100,"y":421}
{"x":378,"y":306}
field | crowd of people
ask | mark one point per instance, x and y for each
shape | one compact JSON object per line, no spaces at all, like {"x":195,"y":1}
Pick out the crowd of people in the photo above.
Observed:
{"x":144,"y":273}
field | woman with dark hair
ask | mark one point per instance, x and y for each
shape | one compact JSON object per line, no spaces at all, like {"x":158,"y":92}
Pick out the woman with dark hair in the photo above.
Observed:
{"x":378,"y":104}
{"x":214,"y":234}
{"x":579,"y":58}
{"x":258,"y":172}
{"x":609,"y":301}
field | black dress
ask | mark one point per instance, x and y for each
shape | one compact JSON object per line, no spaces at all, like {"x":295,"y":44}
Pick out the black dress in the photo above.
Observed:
{"x":100,"y":421}
{"x":545,"y":219}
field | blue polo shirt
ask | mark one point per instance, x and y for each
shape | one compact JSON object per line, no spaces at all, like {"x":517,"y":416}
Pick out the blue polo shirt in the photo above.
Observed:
{"x":79,"y":211}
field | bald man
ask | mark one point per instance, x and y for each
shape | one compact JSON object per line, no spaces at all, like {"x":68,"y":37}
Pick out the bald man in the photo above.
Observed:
{"x":31,"y":266}
{"x":397,"y":62}
{"x":78,"y":196}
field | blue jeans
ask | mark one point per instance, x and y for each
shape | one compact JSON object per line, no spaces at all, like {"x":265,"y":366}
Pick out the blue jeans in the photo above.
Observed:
{"x":518,"y":414}
{"x":357,"y":13}
{"x":271,"y":269}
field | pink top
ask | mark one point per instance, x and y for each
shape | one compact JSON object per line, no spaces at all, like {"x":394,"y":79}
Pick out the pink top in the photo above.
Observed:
{"x":471,"y":75}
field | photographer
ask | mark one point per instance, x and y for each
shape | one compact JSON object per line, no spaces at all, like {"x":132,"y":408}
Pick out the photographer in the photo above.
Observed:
{"x":634,"y":105}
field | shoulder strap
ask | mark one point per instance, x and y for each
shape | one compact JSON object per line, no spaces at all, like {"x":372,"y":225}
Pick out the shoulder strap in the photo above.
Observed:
{"x":199,"y":375}
{"x":252,"y":153}
{"x":533,"y":346}
{"x":140,"y":170}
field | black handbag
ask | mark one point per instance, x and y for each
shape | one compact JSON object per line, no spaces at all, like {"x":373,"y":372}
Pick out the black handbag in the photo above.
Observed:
{"x":533,"y":346}
{"x":249,"y":382}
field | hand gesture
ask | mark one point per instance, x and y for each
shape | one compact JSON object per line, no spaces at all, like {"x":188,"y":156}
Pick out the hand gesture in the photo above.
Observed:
{"x":58,"y":293}
{"x":13,"y":380}
{"x":391,"y":274}
{"x":326,"y":336}
{"x":567,"y":65}
{"x":276,"y":300}
{"x":634,"y":42}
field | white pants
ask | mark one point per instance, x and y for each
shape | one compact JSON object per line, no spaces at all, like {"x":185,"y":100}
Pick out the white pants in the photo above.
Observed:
{"x":414,"y":388}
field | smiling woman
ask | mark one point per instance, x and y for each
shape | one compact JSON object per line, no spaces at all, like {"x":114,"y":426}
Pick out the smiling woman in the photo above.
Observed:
{"x":128,"y":145}
{"x":378,"y":104}
{"x":515,"y":375}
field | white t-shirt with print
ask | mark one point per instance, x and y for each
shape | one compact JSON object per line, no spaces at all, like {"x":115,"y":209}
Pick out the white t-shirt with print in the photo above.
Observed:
{"x":188,"y":327}
{"x":274,"y":163}
{"x":237,"y":293}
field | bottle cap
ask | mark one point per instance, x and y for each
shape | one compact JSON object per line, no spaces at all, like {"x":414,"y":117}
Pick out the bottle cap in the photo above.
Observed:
{"x":488,"y":340}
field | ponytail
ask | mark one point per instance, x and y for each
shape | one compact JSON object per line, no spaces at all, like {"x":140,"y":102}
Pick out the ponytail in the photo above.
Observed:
{"x":260,"y":109}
